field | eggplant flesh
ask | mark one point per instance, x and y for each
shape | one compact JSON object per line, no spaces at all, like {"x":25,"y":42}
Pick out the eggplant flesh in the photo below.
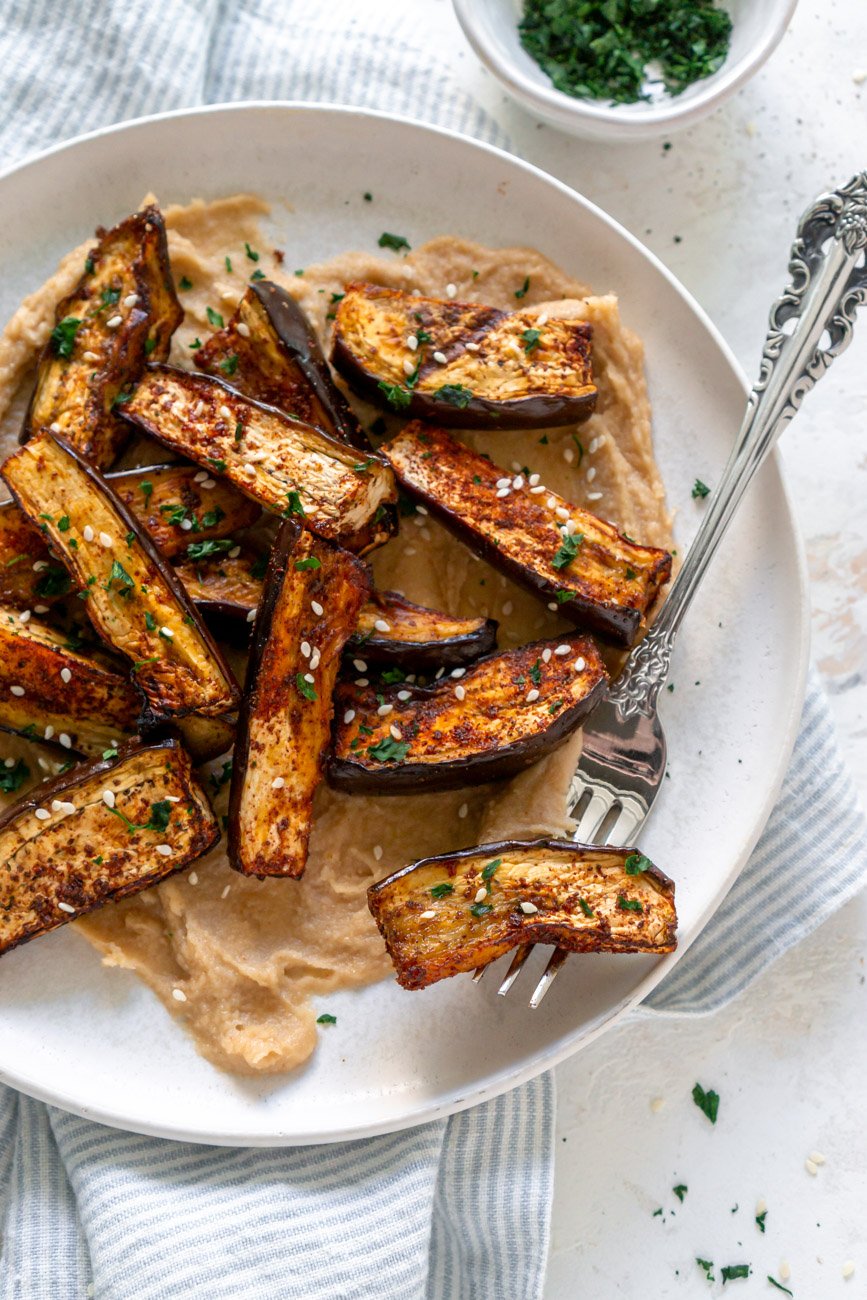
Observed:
{"x":99,"y":833}
{"x":288,"y":467}
{"x":269,"y":351}
{"x":580,"y":565}
{"x":313,"y":592}
{"x":584,"y":898}
{"x":123,"y":311}
{"x":503,"y":714}
{"x":471,"y":366}
{"x":395,"y":631}
{"x":132,"y":596}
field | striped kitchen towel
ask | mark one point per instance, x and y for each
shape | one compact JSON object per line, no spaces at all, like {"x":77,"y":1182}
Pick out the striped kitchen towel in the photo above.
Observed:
{"x":453,"y":1210}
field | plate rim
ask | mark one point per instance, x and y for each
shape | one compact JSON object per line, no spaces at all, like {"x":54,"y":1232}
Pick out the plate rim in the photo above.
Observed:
{"x":508,"y":1077}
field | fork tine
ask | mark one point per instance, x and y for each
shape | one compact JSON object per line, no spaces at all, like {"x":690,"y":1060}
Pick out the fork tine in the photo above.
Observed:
{"x":478,"y":973}
{"x":521,"y":955}
{"x":556,"y":960}
{"x":593,"y":816}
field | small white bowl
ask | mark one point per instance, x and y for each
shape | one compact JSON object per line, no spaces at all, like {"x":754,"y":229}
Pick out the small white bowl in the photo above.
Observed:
{"x":491,"y":27}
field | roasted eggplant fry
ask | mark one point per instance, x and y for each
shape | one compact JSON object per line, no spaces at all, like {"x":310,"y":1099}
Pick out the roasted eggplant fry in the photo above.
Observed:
{"x":471,"y":366}
{"x":286,"y":466}
{"x":313,"y":592}
{"x":449,"y":914}
{"x":123,"y":311}
{"x":105,"y":830}
{"x":393,"y":631}
{"x":132,"y":596}
{"x":269,"y":352}
{"x":503,"y":714}
{"x":225,"y":588}
{"x":580,"y":565}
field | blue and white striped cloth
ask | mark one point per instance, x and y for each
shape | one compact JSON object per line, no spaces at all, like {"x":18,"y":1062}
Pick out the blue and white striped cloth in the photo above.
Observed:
{"x":453,"y":1210}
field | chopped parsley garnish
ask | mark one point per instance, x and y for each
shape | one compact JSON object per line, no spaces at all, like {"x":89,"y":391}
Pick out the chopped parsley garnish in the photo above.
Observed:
{"x":732,"y":1271}
{"x":491,"y":867}
{"x":442,"y":889}
{"x":680,"y":1191}
{"x":585,"y":907}
{"x":535,"y":673}
{"x":455,"y":394}
{"x":121,"y":398}
{"x":760,"y":1220}
{"x":110,"y":753}
{"x":579,"y":444}
{"x":707,"y":1102}
{"x":63,"y":524}
{"x":773,"y":1281}
{"x":229,"y":265}
{"x":150,"y":621}
{"x":628,"y":904}
{"x":258,"y":275}
{"x":218,"y":780}
{"x":531,"y":339}
{"x":310,"y":563}
{"x":251,"y":253}
{"x":219,"y":465}
{"x":119,"y":574}
{"x":364,"y":465}
{"x":214,"y":318}
{"x":196,"y":343}
{"x":12,"y":778}
{"x":211,"y":518}
{"x":699,"y":490}
{"x":259,"y":567}
{"x":563,"y":595}
{"x":54,"y":582}
{"x":88,"y":266}
{"x":636,"y":863}
{"x":229,"y":364}
{"x":393,"y":676}
{"x":388,"y":750}
{"x":397,"y":397}
{"x":707,"y":1265}
{"x":569,"y":548}
{"x":367,"y":196}
{"x":305,"y":688}
{"x":601,"y":49}
{"x":108,"y":298}
{"x":395,"y":242}
{"x":481,"y":909}
{"x":326,"y":1019}
{"x":158,"y":821}
{"x":337,"y":297}
{"x":150,"y":344}
{"x":63,"y":336}
{"x":522,"y":292}
{"x":211,"y":546}
{"x":294,"y":507}
{"x":185,"y":282}
{"x":630,"y":574}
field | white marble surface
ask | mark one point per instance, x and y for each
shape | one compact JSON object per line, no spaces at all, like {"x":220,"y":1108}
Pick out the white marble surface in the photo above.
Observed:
{"x":789,"y":1058}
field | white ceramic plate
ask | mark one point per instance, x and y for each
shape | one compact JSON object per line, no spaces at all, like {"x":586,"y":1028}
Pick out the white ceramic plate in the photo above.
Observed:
{"x":95,"y":1041}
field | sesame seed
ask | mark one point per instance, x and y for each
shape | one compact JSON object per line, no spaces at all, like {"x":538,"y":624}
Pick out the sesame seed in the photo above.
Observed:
{"x":49,"y":732}
{"x":67,"y":808}
{"x":784,"y":1270}
{"x":422,"y":510}
{"x":817,"y":1157}
{"x":243,"y":329}
{"x":278,"y":783}
{"x":563,"y":649}
{"x":65,"y":675}
{"x":507,"y":607}
{"x":251,"y":614}
{"x":362,"y":681}
{"x":418,"y":520}
{"x":579,"y":665}
{"x":226,"y":888}
{"x":461,"y":692}
{"x":410,"y":550}
{"x":17,"y":690}
{"x":503,"y":492}
{"x":412,"y":343}
{"x":305,"y":649}
{"x":208,"y":484}
{"x":561,"y":512}
{"x":591,"y":473}
{"x":108,"y":798}
{"x":42,"y":814}
{"x":87,"y":533}
{"x":568,"y":455}
{"x":317,"y":608}
{"x":130,"y":300}
{"x":201,"y":476}
{"x":249,"y":470}
{"x":458,"y":672}
{"x":65,"y":907}
{"x":225,"y":413}
{"x":473,"y":347}
{"x":533,"y":480}
{"x":65,"y":740}
{"x":529,"y":908}
{"x":40,"y":609}
{"x":308,"y":677}
{"x":24,"y":617}
{"x":395,"y":732}
{"x":167,"y":633}
{"x":534,"y":491}
{"x":85,"y":356}
{"x":404,"y":695}
{"x":56,"y":805}
{"x":546,"y":655}
{"x":382,"y":626}
{"x":377,"y":851}
{"x":427,"y":916}
{"x":113,"y":322}
{"x":440,"y":672}
{"x":481,"y":894}
{"x":594,"y":446}
{"x":193,"y":878}
{"x":848,"y":1268}
{"x":463,"y":810}
{"x":656,"y":1106}
{"x":504,"y":482}
{"x":234,"y":553}
{"x":811,"y":1168}
{"x":542,"y":318}
{"x":105,"y":540}
{"x":170,"y":798}
{"x":594,"y":496}
{"x":186,"y":525}
{"x":551,"y":503}
{"x":532,"y":696}
{"x":440,"y":357}
{"x":552,"y":604}
{"x":408,"y":366}
{"x":761,"y":1206}
{"x":517,"y":482}
{"x":359,"y":665}
{"x":40,"y":565}
{"x":451,"y":291}
{"x":165,"y":850}
{"x":179,"y":995}
{"x":348,"y":717}
{"x":384,"y":710}
{"x":314,"y":659}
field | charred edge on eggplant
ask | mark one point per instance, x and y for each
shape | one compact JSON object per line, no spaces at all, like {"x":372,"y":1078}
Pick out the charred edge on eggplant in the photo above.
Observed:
{"x":505,"y":713}
{"x":99,"y":834}
{"x":270,"y":352}
{"x":313,"y":592}
{"x":595,"y":577}
{"x":418,"y":637}
{"x":472,"y":366}
{"x":133,"y":597}
{"x":329,"y":486}
{"x":584,"y":898}
{"x":123,"y":310}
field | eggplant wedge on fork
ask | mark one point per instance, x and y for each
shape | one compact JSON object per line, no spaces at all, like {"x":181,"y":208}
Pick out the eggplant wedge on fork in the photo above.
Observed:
{"x":492,"y":720}
{"x":269,"y":352}
{"x":453,"y":913}
{"x":289,"y":467}
{"x":313,"y":592}
{"x":131,"y":594}
{"x":99,"y":833}
{"x":459,"y":363}
{"x":578,"y":564}
{"x":122,"y":312}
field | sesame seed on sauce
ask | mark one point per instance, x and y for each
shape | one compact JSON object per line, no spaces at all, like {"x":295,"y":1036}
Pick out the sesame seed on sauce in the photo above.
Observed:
{"x":408,"y":367}
{"x":362,"y":681}
{"x":481,"y":894}
{"x":165,"y":850}
{"x":243,"y":329}
{"x":359,"y":665}
{"x":427,"y":916}
{"x":65,"y":907}
{"x":412,"y":343}
{"x":225,"y":413}
{"x":65,"y":675}
{"x":503,"y":492}
{"x":460,"y":692}
{"x":458,"y":672}
{"x":395,"y":733}
{"x":440,"y":358}
{"x":348,"y":717}
{"x":88,"y":533}
{"x":251,"y":614}
{"x":562,"y":649}
{"x":529,"y":908}
{"x":49,"y":732}
{"x":579,"y":665}
{"x":532,"y":696}
{"x":401,"y":695}
{"x":201,"y":476}
{"x":384,"y":710}
{"x":317,"y":608}
{"x":504,"y":482}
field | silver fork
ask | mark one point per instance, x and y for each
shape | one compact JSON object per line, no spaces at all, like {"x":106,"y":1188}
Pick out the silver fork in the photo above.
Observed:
{"x":623,"y":759}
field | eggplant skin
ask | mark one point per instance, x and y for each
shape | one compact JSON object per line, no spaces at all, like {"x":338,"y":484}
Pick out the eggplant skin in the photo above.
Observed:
{"x":269,"y":351}
{"x":288,"y":467}
{"x":81,"y":855}
{"x":501,"y":369}
{"x":418,"y":637}
{"x":606,"y":585}
{"x":505,"y":713}
{"x":313,"y":593}
{"x":133,"y":597}
{"x":123,"y":310}
{"x":581,"y":897}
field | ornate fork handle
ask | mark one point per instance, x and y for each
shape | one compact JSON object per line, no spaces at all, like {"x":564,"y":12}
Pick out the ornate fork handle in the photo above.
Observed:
{"x":810,"y":325}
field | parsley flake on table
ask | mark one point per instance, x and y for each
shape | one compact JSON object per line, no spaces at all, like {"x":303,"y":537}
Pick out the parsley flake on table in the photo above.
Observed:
{"x":699,"y":490}
{"x":326,"y":1019}
{"x":394,"y":242}
{"x":707,"y":1266}
{"x":730,"y":1272}
{"x":773,"y":1281}
{"x":707,"y":1102}
{"x":522,"y":292}
{"x":680,"y":1191}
